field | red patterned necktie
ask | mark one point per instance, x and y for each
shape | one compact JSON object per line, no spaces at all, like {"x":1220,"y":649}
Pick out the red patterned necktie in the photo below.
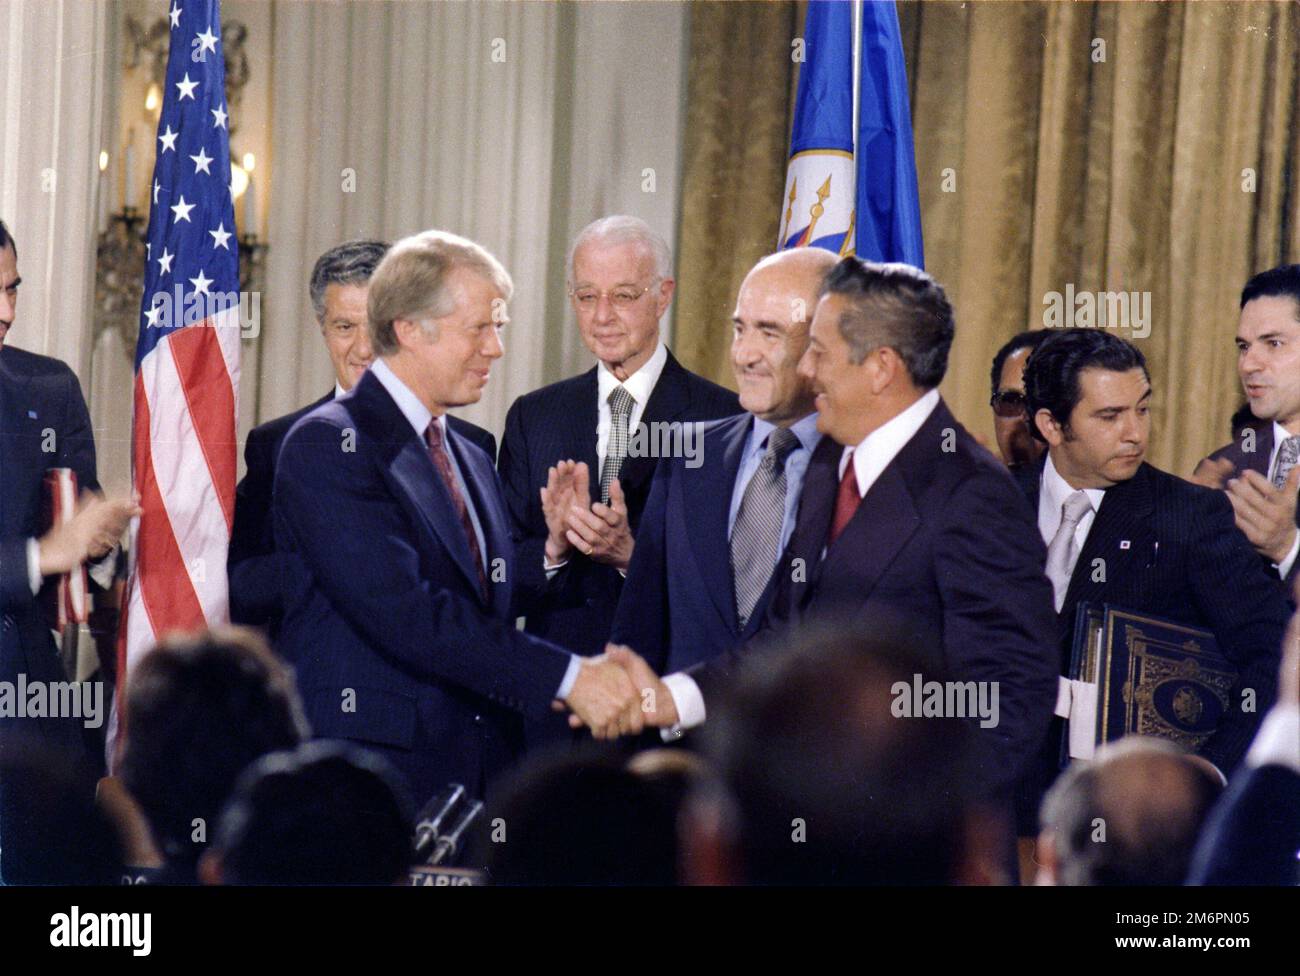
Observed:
{"x":847,"y":500}
{"x":438,"y":453}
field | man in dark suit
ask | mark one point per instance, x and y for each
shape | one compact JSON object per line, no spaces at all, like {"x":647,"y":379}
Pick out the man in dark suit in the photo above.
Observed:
{"x":1122,"y":532}
{"x":578,"y":456}
{"x":400,"y":629}
{"x":905,"y":523}
{"x":340,"y":282}
{"x":1253,"y":834}
{"x":712,"y":532}
{"x":1259,"y":468}
{"x":44,"y":424}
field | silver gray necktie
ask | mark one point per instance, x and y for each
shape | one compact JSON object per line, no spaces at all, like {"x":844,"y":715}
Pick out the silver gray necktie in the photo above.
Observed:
{"x":1063,"y":553}
{"x":620,"y":410}
{"x":756,"y":536}
{"x":1287,"y":456}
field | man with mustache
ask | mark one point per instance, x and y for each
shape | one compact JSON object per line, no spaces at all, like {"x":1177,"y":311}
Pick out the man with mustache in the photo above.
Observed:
{"x":1122,"y":532}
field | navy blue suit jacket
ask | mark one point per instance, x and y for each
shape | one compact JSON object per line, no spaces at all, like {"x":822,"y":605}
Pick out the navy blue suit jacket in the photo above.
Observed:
{"x":557,"y":422}
{"x":1252,"y":836}
{"x":941,"y":549}
{"x":1172,"y":549}
{"x":392,"y":642}
{"x":41,"y":407}
{"x":256,"y":572}
{"x":678,"y":605}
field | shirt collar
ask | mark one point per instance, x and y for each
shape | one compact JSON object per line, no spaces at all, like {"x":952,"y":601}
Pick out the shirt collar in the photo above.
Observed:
{"x":415,"y":412}
{"x":640,"y":384}
{"x":882,"y":445}
{"x":805,"y":429}
{"x":338,"y":389}
{"x":1056,"y":489}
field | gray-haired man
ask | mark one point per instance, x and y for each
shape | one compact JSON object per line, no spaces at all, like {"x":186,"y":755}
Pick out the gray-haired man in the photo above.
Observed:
{"x":340,"y":284}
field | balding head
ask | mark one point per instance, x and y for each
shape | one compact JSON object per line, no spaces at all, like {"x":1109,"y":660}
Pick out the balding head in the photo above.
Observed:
{"x":770,"y":333}
{"x":1131,"y":816}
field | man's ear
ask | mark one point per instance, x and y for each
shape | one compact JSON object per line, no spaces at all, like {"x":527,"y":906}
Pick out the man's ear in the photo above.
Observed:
{"x":665,"y":295}
{"x":209,"y":869}
{"x":885,"y":365}
{"x":1049,"y":427}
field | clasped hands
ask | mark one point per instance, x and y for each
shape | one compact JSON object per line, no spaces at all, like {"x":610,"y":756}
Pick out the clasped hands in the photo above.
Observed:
{"x":598,"y":531}
{"x":618,"y":694}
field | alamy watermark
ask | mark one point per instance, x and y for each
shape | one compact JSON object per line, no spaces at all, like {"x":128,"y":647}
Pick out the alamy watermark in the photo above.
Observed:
{"x":1098,"y":310}
{"x":946,"y":699}
{"x":53,"y":699}
{"x":175,"y":309}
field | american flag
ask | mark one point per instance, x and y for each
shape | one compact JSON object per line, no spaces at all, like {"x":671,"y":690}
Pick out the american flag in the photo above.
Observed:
{"x":187,"y":358}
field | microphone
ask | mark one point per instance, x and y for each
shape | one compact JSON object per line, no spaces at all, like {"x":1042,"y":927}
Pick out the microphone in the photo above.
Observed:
{"x":448,"y":844}
{"x":434,"y":814}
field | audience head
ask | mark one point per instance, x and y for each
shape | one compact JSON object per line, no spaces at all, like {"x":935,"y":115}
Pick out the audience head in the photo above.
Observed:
{"x":340,"y":284}
{"x":620,"y":284}
{"x":199,"y":709}
{"x":770,"y":333}
{"x":570,"y":820}
{"x":1089,"y":399}
{"x":1129,"y":817}
{"x":1268,"y":345}
{"x":9,"y":281}
{"x":324,"y":813}
{"x":879,"y":339}
{"x":819,"y":781}
{"x":436,"y":306}
{"x":1016,"y":443}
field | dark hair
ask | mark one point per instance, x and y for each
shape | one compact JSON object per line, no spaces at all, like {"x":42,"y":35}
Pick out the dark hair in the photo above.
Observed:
{"x":574,"y":820}
{"x":1152,"y":800}
{"x":898,"y":306}
{"x":350,"y":263}
{"x":7,"y":239}
{"x":1283,"y":281}
{"x":1023,"y":340}
{"x":1052,"y":372}
{"x":325,"y":813}
{"x":810,"y":736}
{"x":199,"y":709}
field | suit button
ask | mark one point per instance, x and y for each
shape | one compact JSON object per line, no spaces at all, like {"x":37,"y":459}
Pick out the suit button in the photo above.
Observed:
{"x":478,"y":719}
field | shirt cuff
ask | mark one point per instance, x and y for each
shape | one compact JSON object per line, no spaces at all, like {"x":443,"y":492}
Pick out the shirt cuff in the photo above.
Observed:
{"x":34,"y":565}
{"x":570,"y":676}
{"x":1284,"y":567}
{"x":104,"y":569}
{"x":688,"y":700}
{"x":1278,"y":740}
{"x":552,"y":568}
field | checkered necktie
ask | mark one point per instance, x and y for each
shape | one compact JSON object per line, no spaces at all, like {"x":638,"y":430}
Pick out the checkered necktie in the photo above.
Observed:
{"x":620,"y":410}
{"x":1287,"y":456}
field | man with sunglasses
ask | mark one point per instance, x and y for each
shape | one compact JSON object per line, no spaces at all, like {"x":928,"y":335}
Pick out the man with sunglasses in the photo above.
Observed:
{"x":1016,"y":443}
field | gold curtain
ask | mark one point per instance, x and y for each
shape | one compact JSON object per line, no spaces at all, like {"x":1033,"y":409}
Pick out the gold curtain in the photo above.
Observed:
{"x":1141,"y":148}
{"x":737,"y":137}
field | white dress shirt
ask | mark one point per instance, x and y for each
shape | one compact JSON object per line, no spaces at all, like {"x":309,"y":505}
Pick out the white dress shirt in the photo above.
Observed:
{"x":876,"y":452}
{"x":1052,"y":493}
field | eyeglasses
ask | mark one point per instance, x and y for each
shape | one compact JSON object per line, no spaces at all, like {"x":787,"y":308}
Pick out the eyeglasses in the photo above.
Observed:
{"x":1008,"y":404}
{"x":622,"y":297}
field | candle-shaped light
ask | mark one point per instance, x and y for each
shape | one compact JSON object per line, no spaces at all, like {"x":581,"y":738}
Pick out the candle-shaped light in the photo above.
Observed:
{"x":128,"y":193}
{"x":103,"y":191}
{"x":250,"y":196}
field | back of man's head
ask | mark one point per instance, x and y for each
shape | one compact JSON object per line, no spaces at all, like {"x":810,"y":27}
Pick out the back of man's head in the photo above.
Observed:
{"x":577,"y":821}
{"x":1129,"y":817}
{"x":325,"y":813}
{"x":199,"y":710}
{"x":821,"y":782}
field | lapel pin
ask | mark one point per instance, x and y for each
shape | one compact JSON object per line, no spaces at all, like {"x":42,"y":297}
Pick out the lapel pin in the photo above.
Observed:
{"x":31,"y":414}
{"x":1123,"y":543}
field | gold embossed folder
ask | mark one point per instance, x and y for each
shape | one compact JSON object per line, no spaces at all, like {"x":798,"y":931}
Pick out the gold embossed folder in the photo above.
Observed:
{"x":1154,"y":676}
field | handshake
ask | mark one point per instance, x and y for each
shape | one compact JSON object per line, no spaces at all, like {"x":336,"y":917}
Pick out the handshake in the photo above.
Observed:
{"x":618,"y":694}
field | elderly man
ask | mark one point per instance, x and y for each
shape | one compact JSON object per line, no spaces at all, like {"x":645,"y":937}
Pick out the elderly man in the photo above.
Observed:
{"x":711,"y":535}
{"x":575,"y":477}
{"x":340,"y":282}
{"x":401,"y":628}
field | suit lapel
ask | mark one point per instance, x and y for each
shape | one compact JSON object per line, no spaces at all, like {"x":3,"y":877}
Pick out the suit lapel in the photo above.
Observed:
{"x":412,"y":471}
{"x":881,"y":526}
{"x":581,"y":438}
{"x":480,"y":478}
{"x":1124,"y":513}
{"x":812,"y":525}
{"x":670,"y":398}
{"x":13,"y":444}
{"x":708,"y":489}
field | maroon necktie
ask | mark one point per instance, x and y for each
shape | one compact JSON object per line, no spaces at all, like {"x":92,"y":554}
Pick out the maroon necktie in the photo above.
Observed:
{"x":847,"y":500}
{"x":438,"y":453}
